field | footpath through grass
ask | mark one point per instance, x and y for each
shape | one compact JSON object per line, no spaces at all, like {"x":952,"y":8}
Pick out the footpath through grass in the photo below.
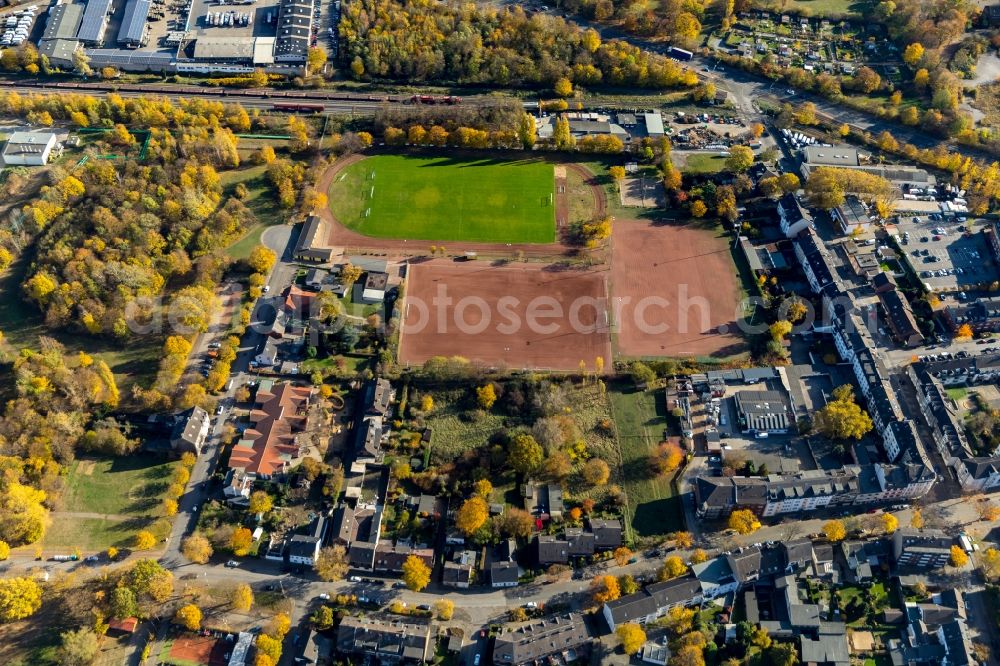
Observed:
{"x":641,"y":419}
{"x":447,"y":199}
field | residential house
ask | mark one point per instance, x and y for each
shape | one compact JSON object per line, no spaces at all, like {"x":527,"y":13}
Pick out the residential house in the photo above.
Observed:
{"x":816,"y":262}
{"x":791,"y":614}
{"x":599,"y":534}
{"x":607,"y":533}
{"x":277,"y":327}
{"x":899,"y":316}
{"x":304,"y":548}
{"x":391,"y":556}
{"x":717,"y":497}
{"x":271,"y":445}
{"x":190,"y":431}
{"x":653,"y":601}
{"x":981,"y":315}
{"x":237,"y":484}
{"x":540,"y":641}
{"x":267,"y":354}
{"x":504,"y":571}
{"x":580,"y":542}
{"x":370,"y":430}
{"x":883,"y":282}
{"x":504,"y":574}
{"x":794,"y":218}
{"x":809,"y":490}
{"x":551,"y":549}
{"x":387,"y":641}
{"x":460,"y":570}
{"x":825,"y":650}
{"x":858,"y":560}
{"x":975,"y":473}
{"x":313,"y":648}
{"x":299,"y":303}
{"x":935,"y":634}
{"x":315,"y":279}
{"x":924,"y":550}
{"x":715,"y":577}
{"x":543,"y":500}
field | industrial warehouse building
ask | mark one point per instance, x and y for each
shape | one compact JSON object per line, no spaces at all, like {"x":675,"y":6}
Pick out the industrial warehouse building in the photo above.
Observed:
{"x":118,"y":33}
{"x":28,"y":148}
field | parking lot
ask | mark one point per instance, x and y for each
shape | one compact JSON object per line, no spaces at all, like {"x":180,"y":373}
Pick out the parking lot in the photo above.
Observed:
{"x":208,"y":18}
{"x":945,"y":256}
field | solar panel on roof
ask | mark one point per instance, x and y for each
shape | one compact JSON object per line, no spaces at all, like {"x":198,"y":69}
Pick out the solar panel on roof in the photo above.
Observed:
{"x":94,"y":21}
{"x":134,"y":21}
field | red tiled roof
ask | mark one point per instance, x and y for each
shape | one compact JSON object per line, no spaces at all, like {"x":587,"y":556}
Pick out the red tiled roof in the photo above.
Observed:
{"x":298,"y":301}
{"x":276,"y":417}
{"x":129,"y":624}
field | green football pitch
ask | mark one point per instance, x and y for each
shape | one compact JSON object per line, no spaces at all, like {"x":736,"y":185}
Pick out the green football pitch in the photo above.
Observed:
{"x":446,"y":199}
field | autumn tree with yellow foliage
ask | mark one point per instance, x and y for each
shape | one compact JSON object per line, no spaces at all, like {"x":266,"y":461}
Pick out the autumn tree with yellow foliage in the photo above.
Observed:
{"x":632,"y":637}
{"x":604,"y":589}
{"x":744,"y":521}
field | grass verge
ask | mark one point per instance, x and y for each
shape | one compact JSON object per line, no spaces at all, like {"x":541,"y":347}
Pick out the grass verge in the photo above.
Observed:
{"x":641,"y":420}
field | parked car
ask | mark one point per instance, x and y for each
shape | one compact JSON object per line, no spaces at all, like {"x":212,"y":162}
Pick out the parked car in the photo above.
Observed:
{"x":232,"y":564}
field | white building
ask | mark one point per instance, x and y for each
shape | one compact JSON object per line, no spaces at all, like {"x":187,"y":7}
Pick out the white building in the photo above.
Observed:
{"x":794,"y":218}
{"x":29,"y":148}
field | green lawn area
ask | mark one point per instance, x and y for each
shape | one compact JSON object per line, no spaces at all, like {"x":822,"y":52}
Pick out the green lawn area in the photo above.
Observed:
{"x":126,"y":485}
{"x":704,"y":163}
{"x":260,"y":199}
{"x":358,"y":309}
{"x":447,"y":199}
{"x":352,"y":364}
{"x":96,"y":534}
{"x":824,"y":7}
{"x":129,"y":486}
{"x":957,"y":393}
{"x":640,"y":417}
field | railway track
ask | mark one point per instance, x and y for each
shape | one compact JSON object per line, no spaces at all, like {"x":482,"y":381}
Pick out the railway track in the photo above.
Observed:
{"x":286,"y":100}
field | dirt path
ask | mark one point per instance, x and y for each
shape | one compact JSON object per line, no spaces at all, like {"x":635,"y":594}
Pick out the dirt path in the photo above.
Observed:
{"x":600,"y":198}
{"x":85,"y":515}
{"x":356,"y":243}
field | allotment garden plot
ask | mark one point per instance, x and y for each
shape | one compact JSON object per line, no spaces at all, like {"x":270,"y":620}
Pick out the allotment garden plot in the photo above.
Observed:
{"x":446,"y":199}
